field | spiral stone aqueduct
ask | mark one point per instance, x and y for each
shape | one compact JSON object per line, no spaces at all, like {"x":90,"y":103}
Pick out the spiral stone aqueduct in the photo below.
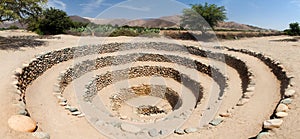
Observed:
{"x":153,"y":90}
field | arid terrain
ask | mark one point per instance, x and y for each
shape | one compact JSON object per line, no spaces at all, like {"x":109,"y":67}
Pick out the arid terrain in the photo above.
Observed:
{"x":136,"y":87}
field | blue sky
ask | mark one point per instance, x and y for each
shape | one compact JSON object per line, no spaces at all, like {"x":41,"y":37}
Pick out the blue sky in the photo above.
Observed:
{"x":271,"y":14}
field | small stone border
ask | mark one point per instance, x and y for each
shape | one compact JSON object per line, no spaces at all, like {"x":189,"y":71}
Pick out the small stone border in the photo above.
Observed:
{"x":286,"y":90}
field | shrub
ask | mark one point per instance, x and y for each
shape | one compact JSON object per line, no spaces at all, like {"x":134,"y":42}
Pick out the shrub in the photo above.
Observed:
{"x":13,"y":27}
{"x":294,"y":29}
{"x":53,"y":21}
{"x":123,"y":32}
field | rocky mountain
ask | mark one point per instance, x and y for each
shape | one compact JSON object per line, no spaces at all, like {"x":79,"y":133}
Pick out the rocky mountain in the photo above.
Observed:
{"x":76,"y":18}
{"x":161,"y":22}
{"x":236,"y":26}
{"x":171,"y":21}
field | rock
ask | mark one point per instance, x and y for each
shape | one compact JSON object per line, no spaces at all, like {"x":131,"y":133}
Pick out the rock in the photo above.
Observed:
{"x":153,"y":132}
{"x":289,"y":93}
{"x":123,"y":117}
{"x":225,"y":114}
{"x":216,"y":121}
{"x":130,"y":128}
{"x":248,"y":95}
{"x":282,"y":108}
{"x":18,"y":92}
{"x":287,"y":101}
{"x":62,"y":99}
{"x":163,"y":132}
{"x":273,"y":123}
{"x":76,"y":113}
{"x":18,"y":71}
{"x":179,"y":131}
{"x":252,"y":82}
{"x":250,"y":89}
{"x":67,"y":107}
{"x":41,"y":135}
{"x":25,"y":65}
{"x":62,"y":103}
{"x":263,"y":135}
{"x":281,"y":114}
{"x":22,"y":112}
{"x":21,"y":123}
{"x":72,"y":109}
{"x":242,"y":102}
{"x":190,"y":130}
{"x":81,"y":115}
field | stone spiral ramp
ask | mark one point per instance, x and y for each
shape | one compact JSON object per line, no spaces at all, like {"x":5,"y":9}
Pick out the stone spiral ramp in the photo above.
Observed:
{"x":210,"y":70}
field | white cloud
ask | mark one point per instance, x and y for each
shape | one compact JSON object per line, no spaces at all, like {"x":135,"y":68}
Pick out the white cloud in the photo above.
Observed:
{"x":134,"y":8}
{"x":89,"y":7}
{"x":57,"y":4}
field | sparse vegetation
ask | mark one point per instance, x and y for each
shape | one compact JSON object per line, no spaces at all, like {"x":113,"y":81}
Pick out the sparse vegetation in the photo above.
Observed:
{"x":113,"y":31}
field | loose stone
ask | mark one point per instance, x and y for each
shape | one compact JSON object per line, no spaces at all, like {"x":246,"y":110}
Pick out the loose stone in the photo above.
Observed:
{"x":289,"y":93}
{"x":179,"y":131}
{"x":153,"y":132}
{"x":216,"y":121}
{"x":281,"y":114}
{"x":287,"y":101}
{"x":273,"y":123}
{"x":282,"y":108}
{"x":41,"y":135}
{"x":190,"y":130}
{"x":130,"y":128}
{"x":21,"y":123}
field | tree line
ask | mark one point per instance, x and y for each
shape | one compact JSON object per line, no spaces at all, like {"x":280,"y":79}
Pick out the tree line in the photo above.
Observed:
{"x":201,"y":17}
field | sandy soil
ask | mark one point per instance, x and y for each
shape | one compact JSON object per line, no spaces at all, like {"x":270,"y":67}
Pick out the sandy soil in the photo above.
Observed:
{"x":245,"y":122}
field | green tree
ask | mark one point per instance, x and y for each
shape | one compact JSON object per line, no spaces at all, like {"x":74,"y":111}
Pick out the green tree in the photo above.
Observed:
{"x":294,"y":29}
{"x":53,"y":21}
{"x":20,"y":9}
{"x":203,"y":17}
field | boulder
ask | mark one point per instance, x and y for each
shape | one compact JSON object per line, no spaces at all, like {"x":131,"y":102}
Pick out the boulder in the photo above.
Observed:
{"x":287,"y":101}
{"x":282,"y":108}
{"x":225,"y":114}
{"x":263,"y":135}
{"x":81,"y":115}
{"x":130,"y":128}
{"x":41,"y":135}
{"x":62,"y":103}
{"x":273,"y":123}
{"x":190,"y":130}
{"x":75,"y":113}
{"x":250,"y":89}
{"x":289,"y":93}
{"x":153,"y":132}
{"x":163,"y":132}
{"x":21,"y":123}
{"x":179,"y":131}
{"x":216,"y":121}
{"x":248,"y":95}
{"x":281,"y":114}
{"x":72,"y":109}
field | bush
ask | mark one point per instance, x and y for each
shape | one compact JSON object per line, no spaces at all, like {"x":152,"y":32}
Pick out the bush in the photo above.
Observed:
{"x":13,"y":27}
{"x":294,"y":29}
{"x":123,"y":32}
{"x":52,"y":22}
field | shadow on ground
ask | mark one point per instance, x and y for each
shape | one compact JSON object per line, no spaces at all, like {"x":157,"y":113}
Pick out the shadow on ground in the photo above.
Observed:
{"x":17,"y":43}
